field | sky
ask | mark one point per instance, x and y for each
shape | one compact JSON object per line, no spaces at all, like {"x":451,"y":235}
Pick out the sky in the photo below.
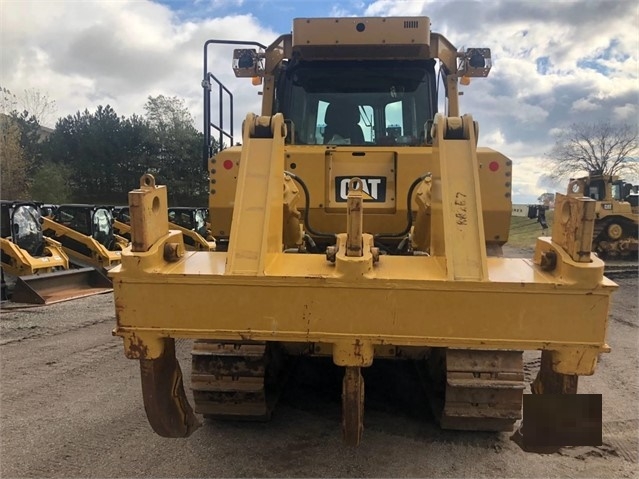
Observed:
{"x":554,"y":62}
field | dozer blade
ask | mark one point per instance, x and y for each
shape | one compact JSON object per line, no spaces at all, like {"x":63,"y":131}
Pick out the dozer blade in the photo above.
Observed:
{"x":60,"y":286}
{"x":167,"y":408}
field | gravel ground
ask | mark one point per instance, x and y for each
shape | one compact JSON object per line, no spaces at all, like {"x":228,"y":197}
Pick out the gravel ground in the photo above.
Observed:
{"x":70,"y":406}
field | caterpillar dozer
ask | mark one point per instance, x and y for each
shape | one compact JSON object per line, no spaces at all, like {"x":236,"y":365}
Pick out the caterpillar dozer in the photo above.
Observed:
{"x":86,"y":234}
{"x":192,"y":226}
{"x":616,"y":213}
{"x":356,"y":222}
{"x":35,"y":268}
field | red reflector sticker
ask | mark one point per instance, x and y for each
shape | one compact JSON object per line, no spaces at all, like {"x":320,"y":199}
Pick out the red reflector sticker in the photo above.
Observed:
{"x":228,"y":164}
{"x":493,"y":166}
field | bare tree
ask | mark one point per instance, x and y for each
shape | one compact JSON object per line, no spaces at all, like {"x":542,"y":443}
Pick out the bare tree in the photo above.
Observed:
{"x":39,"y":105}
{"x":14,"y":180}
{"x":546,"y":199}
{"x":31,"y":102}
{"x":8,"y":101}
{"x":602,"y":147}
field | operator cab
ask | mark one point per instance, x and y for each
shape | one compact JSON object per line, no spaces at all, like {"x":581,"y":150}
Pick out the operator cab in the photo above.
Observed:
{"x":190,"y":218}
{"x":22,"y":223}
{"x":122,"y":214}
{"x":48,"y":210}
{"x":90,"y":220}
{"x":345,"y":102}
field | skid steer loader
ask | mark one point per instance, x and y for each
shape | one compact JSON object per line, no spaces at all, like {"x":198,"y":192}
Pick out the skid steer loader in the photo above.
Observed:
{"x":122,"y":221}
{"x":357,"y":222}
{"x":35,"y":268}
{"x":192,"y":227}
{"x":86,"y":234}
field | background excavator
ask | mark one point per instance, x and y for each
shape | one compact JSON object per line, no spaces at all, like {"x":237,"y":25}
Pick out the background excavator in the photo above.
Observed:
{"x":35,"y":268}
{"x":356,"y":222}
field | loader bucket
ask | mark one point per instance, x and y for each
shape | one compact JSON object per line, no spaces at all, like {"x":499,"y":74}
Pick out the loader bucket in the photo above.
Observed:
{"x":60,"y":286}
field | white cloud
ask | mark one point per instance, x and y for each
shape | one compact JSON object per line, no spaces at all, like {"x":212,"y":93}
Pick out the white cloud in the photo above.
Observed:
{"x":494,"y":138}
{"x":584,"y":104}
{"x":553,"y":63}
{"x":390,"y":8}
{"x":226,"y":3}
{"x":117,"y":53}
{"x":626,"y":113}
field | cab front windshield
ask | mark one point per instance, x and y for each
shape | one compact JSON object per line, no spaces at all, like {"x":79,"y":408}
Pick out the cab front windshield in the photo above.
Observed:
{"x":200,"y":222}
{"x":358,"y":102}
{"x":27,"y":229}
{"x":103,"y":227}
{"x":190,"y":219}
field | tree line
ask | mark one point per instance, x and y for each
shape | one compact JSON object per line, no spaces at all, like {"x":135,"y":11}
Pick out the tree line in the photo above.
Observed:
{"x":98,"y":157}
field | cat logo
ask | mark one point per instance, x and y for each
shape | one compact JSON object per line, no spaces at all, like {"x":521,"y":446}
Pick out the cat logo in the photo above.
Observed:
{"x":374,"y":188}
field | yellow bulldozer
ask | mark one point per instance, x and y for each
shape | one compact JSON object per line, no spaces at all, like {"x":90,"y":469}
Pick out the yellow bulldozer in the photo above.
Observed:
{"x":357,"y":222}
{"x":616,"y":213}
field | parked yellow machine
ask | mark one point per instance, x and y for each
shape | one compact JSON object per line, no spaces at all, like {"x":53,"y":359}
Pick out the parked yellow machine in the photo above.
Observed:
{"x":25,"y":251}
{"x":36,"y":268}
{"x":86,"y":234}
{"x":193,"y":239}
{"x":194,"y":220}
{"x":616,"y":212}
{"x":350,"y":159}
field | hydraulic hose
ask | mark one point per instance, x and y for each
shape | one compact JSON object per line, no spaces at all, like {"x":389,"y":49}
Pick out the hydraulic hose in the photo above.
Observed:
{"x":307,"y":206}
{"x":409,"y":210}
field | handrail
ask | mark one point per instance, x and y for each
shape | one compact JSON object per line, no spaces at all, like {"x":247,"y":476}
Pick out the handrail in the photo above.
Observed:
{"x":207,"y":78}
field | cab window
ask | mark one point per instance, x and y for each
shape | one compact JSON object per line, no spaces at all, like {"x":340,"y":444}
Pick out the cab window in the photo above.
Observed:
{"x":103,"y":227}
{"x":358,"y":102}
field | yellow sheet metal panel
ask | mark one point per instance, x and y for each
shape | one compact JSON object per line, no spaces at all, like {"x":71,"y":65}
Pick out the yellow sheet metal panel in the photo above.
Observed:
{"x":312,"y":162}
{"x":362,"y":37}
{"x":378,"y":182}
{"x":300,"y":307}
{"x":327,"y":310}
{"x":495,"y":177}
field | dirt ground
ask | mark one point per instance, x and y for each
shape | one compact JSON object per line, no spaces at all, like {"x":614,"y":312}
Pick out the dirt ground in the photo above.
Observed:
{"x":70,"y":406}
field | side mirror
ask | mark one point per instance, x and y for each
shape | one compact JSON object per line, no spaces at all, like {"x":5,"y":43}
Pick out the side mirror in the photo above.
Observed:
{"x":246,"y":63}
{"x":475,"y":62}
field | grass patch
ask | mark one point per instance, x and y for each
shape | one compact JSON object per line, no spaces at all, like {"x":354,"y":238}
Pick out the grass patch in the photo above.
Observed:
{"x":524,"y":232}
